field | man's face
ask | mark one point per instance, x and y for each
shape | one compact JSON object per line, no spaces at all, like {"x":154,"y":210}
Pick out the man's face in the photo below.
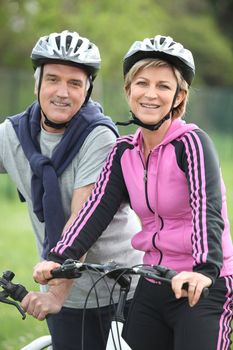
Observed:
{"x":62,"y":91}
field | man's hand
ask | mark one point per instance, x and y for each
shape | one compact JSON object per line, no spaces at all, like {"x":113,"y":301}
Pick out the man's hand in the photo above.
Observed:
{"x":40,"y":304}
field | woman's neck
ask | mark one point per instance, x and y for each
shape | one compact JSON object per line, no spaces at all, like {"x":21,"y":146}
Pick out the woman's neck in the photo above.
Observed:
{"x":151,"y":139}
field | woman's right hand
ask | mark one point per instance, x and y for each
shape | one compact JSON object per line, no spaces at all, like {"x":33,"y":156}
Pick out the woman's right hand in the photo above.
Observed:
{"x":42,"y":273}
{"x":196,"y":282}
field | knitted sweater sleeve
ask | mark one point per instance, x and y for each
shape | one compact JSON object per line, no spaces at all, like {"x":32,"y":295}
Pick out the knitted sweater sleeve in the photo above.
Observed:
{"x":96,"y":214}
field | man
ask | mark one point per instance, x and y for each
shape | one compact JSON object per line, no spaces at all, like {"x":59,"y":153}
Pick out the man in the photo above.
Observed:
{"x":54,"y":152}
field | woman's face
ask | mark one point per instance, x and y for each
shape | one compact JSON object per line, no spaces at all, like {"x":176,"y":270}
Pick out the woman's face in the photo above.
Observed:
{"x":151,"y":93}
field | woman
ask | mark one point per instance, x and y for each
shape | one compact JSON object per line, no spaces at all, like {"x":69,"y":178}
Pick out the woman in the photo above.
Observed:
{"x":169,"y":173}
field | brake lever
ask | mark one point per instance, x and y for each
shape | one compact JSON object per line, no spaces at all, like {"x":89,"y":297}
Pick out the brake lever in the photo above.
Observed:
{"x":3,"y":299}
{"x":16,"y":291}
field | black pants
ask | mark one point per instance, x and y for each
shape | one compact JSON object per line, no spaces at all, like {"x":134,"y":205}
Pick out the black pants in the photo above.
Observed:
{"x":158,"y":321}
{"x":66,"y":328}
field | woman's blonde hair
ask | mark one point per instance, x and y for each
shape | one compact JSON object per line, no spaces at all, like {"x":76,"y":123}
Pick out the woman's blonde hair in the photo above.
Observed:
{"x":179,"y":110}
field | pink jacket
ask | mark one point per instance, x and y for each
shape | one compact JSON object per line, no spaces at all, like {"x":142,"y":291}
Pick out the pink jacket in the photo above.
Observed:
{"x":178,"y":194}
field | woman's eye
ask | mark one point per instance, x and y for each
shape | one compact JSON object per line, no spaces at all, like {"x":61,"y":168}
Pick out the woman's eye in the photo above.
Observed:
{"x":141,"y":83}
{"x":164,"y":86}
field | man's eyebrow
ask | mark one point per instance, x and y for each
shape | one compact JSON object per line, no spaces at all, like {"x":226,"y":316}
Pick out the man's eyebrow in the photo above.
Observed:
{"x":50,"y":75}
{"x":56,"y":75}
{"x":76,"y":79}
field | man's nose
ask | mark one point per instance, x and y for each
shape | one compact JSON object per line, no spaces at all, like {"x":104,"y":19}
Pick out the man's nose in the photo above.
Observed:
{"x":62,"y":89}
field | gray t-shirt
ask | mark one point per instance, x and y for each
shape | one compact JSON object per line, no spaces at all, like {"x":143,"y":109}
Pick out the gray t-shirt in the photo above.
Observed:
{"x":114,"y":243}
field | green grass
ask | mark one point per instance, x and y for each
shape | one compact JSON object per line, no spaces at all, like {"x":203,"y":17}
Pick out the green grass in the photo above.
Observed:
{"x":17,"y":253}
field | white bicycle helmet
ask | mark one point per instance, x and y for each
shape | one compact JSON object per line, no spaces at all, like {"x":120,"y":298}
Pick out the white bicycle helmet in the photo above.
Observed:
{"x":163,"y":47}
{"x":68,"y":47}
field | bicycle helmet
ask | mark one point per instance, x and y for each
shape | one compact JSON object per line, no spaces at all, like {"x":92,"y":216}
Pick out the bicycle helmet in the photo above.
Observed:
{"x":163,"y":47}
{"x":68,"y":47}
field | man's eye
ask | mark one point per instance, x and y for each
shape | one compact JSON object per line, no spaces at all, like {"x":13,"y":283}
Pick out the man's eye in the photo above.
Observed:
{"x":76,"y":83}
{"x":51,"y":79}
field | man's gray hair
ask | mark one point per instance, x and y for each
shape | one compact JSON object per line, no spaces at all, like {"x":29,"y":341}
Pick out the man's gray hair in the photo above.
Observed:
{"x":37,"y":75}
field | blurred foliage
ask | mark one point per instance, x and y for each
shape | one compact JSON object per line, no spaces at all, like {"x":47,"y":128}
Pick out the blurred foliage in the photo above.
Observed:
{"x":222,"y":11}
{"x":204,"y":26}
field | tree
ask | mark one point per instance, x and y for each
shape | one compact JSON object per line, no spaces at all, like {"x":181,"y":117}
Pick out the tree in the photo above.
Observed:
{"x":114,"y":25}
{"x":222,"y":11}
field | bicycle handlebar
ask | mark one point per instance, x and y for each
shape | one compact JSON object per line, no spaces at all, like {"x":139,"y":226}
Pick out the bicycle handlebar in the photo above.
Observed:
{"x":73,"y":269}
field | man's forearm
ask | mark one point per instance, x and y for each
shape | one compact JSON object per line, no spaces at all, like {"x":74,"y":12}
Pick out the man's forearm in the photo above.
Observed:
{"x":61,"y":290}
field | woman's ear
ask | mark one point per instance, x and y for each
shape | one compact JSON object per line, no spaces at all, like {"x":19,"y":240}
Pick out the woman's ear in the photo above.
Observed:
{"x":127,"y":91}
{"x":180,"y":97}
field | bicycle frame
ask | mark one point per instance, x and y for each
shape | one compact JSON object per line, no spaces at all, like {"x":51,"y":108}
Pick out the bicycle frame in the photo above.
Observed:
{"x":44,"y":342}
{"x":115,"y":341}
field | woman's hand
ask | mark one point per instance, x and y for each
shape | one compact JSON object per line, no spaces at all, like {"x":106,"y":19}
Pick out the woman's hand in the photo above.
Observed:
{"x":196,"y":281}
{"x":42,"y":273}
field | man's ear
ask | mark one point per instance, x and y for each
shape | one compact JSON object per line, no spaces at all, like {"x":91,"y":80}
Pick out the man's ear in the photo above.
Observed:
{"x":35,"y":89}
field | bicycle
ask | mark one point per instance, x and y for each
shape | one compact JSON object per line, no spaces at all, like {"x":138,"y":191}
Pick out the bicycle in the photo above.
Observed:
{"x":73,"y":269}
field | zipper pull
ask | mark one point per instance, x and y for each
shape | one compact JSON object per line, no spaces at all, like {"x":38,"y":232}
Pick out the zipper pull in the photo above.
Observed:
{"x":145,"y":176}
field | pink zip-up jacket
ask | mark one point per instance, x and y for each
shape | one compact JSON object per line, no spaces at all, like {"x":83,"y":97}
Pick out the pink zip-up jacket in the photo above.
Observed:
{"x":177,"y":193}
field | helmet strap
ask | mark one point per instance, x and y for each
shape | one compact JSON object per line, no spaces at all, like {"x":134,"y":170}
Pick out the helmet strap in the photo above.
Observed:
{"x":152,"y":127}
{"x":54,"y":125}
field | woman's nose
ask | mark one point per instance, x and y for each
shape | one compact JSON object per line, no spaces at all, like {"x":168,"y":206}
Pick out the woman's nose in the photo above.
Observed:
{"x":151,"y":92}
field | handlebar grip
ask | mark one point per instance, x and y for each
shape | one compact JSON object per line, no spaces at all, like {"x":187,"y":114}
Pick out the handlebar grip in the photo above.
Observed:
{"x":204,"y":293}
{"x":62,"y":272}
{"x":169,"y":274}
{"x":19,"y":293}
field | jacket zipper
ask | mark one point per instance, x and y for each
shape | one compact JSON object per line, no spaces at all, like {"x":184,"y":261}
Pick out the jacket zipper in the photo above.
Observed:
{"x":145,"y":180}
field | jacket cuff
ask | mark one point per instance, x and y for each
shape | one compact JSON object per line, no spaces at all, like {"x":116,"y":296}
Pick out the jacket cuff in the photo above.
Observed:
{"x":56,"y":258}
{"x":209,"y":270}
